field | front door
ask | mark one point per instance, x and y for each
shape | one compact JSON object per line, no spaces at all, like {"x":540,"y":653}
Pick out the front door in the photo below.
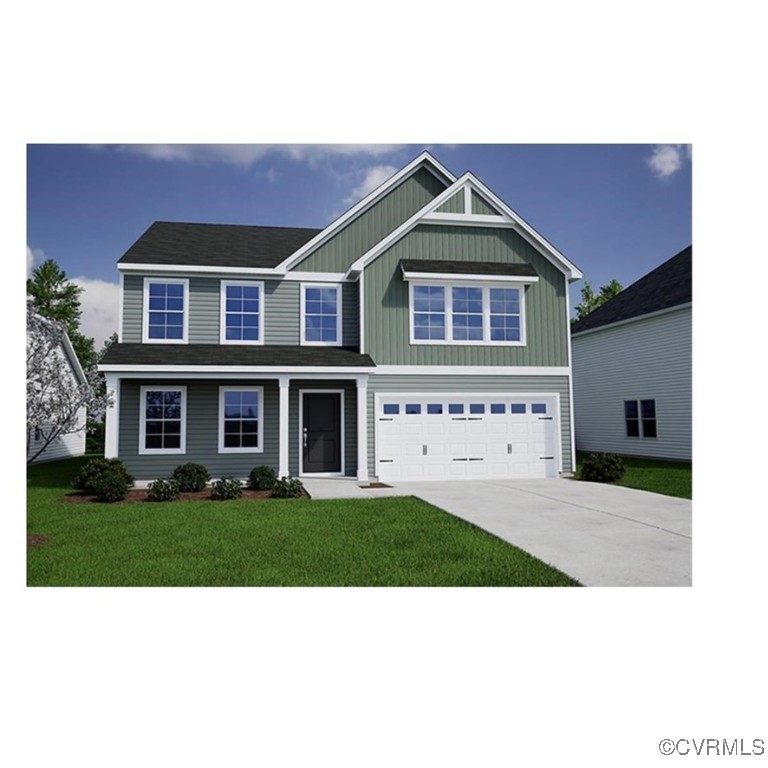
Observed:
{"x":321,"y":432}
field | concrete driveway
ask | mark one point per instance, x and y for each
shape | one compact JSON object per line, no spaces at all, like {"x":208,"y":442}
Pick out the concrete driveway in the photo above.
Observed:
{"x":602,"y":535}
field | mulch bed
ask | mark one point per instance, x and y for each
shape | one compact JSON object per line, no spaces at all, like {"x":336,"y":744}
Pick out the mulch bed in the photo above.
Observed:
{"x":35,"y":540}
{"x":376,"y":485}
{"x":140,"y":494}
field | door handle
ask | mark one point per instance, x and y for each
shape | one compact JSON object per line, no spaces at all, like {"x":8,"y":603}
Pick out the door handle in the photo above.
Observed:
{"x":305,"y":437}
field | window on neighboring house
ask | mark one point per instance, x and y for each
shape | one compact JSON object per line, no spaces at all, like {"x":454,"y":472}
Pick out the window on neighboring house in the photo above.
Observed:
{"x":162,"y":426}
{"x":467,"y":314}
{"x":242,"y":313}
{"x":241,"y":419}
{"x":165,"y":313}
{"x":321,"y":315}
{"x":640,"y":418}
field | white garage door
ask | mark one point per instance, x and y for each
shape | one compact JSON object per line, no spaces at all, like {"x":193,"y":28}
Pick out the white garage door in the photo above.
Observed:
{"x":440,"y":437}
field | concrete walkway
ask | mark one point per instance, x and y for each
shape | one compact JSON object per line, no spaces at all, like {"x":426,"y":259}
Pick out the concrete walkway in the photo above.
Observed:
{"x":602,"y":535}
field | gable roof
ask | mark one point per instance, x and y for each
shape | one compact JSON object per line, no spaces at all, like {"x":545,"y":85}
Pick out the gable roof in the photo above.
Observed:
{"x":667,"y":286}
{"x":216,"y":245}
{"x":66,"y":345}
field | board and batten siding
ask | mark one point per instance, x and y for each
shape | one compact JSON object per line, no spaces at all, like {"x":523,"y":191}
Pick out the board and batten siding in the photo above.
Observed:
{"x":504,"y":385}
{"x":202,"y":430}
{"x":282,"y":310}
{"x":361,"y":234}
{"x":387,"y":300}
{"x":645,"y":359}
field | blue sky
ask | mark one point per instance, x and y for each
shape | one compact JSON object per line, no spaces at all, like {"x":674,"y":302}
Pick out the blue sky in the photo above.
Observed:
{"x":616,"y":210}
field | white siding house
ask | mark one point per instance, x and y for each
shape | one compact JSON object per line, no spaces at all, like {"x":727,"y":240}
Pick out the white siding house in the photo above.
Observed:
{"x":632,"y":371}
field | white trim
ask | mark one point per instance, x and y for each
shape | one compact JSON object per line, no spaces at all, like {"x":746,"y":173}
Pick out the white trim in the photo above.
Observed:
{"x":423,"y":160}
{"x":318,"y":277}
{"x":362,"y":429}
{"x":247,"y":272}
{"x":361,"y":313}
{"x":448,"y":300}
{"x":112,"y":418}
{"x":438,"y":278}
{"x":284,"y":458}
{"x":469,"y":370}
{"x":260,"y":418}
{"x":207,"y":371}
{"x":339,"y":315}
{"x":145,"y":310}
{"x":467,"y":201}
{"x":471,"y":220}
{"x":223,"y":311}
{"x":120,"y":309}
{"x":302,"y":392}
{"x":628,"y":320}
{"x":143,"y":451}
{"x":569,"y":352}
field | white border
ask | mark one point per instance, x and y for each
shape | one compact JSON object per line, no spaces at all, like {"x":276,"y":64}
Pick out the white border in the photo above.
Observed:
{"x":339,"y":314}
{"x":302,"y":392}
{"x":223,"y":311}
{"x":145,"y":310}
{"x":260,"y":417}
{"x":143,"y":451}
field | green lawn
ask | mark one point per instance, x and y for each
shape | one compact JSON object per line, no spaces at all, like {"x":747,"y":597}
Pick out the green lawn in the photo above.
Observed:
{"x":672,"y":478}
{"x":296,"y":542}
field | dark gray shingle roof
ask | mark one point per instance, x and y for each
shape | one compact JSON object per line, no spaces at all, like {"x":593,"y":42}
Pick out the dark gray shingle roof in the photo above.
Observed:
{"x":234,"y":354}
{"x":669,"y":285}
{"x":466,"y":267}
{"x":216,"y":245}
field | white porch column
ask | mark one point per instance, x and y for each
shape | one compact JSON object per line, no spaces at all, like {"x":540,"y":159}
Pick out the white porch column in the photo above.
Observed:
{"x":284,"y":382}
{"x":112,"y":417}
{"x":362,"y":428}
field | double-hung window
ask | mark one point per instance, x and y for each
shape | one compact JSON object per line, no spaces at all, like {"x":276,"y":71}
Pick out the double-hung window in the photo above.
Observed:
{"x":162,"y":422}
{"x":321,"y":314}
{"x":242,"y":312}
{"x":165,"y":310}
{"x":640,"y":418}
{"x":467,"y":314}
{"x":241,"y":421}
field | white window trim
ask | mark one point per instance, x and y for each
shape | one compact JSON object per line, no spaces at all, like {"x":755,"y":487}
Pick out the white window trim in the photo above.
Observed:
{"x":339,"y":313}
{"x":640,"y":427}
{"x":143,"y":450}
{"x":145,"y":310}
{"x":223,"y":311}
{"x":260,"y":417}
{"x":486,"y":341}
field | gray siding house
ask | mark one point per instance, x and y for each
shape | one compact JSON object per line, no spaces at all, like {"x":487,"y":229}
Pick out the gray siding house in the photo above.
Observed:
{"x":422,"y":335}
{"x":632,"y":367}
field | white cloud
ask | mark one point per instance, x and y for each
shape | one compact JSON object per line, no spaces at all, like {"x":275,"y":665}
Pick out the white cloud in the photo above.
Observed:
{"x":34,"y":257}
{"x":245,"y":155}
{"x":99,"y":302}
{"x":668,"y":159}
{"x":374,"y":177}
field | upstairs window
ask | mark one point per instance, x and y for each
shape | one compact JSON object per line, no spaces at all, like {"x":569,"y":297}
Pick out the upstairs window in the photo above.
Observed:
{"x":428,"y":303}
{"x":165,"y":311}
{"x":242,"y":313}
{"x":321,"y":315}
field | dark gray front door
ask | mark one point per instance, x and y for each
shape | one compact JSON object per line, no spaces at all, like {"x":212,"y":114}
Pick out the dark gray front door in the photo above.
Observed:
{"x":321,"y":422}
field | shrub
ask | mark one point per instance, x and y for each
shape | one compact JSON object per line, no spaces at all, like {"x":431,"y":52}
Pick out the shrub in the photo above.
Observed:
{"x":163,"y":490}
{"x":602,"y":468}
{"x":262,"y":478}
{"x":226,"y":488}
{"x":94,"y":437}
{"x":288,"y":488}
{"x":111,"y":486}
{"x":95,"y":469}
{"x":191,"y":477}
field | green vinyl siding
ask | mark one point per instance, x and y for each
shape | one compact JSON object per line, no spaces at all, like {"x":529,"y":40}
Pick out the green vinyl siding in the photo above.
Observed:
{"x":480,"y":206}
{"x":202,"y":428}
{"x":361,"y":234}
{"x":466,"y":385}
{"x":387,"y":300}
{"x":454,"y":204}
{"x":281,"y":312}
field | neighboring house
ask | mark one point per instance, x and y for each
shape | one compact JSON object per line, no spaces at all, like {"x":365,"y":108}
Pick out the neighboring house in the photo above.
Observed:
{"x":71,"y":443}
{"x":632,"y":367}
{"x":424,"y":334}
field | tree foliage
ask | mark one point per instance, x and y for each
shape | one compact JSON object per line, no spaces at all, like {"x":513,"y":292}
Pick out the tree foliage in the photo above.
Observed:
{"x":590,"y":300}
{"x":54,"y":395}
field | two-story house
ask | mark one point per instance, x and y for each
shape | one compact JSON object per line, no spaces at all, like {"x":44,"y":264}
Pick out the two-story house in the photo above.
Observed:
{"x":424,"y":334}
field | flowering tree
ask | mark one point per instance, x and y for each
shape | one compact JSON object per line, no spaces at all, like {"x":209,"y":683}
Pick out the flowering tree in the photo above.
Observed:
{"x":56,"y":394}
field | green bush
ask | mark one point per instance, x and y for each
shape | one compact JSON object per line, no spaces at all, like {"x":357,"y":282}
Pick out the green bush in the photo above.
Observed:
{"x":602,"y":468}
{"x":94,"y":437}
{"x":111,"y":486}
{"x":226,"y":488}
{"x":288,"y":488}
{"x":262,"y":478}
{"x":95,"y":469}
{"x":163,"y":490}
{"x":191,"y":477}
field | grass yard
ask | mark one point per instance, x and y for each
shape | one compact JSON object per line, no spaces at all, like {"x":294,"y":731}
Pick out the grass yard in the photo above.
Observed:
{"x":280,"y":542}
{"x":671,"y":478}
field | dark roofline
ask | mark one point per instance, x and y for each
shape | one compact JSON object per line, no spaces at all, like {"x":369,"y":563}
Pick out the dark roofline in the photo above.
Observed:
{"x":437,"y":266}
